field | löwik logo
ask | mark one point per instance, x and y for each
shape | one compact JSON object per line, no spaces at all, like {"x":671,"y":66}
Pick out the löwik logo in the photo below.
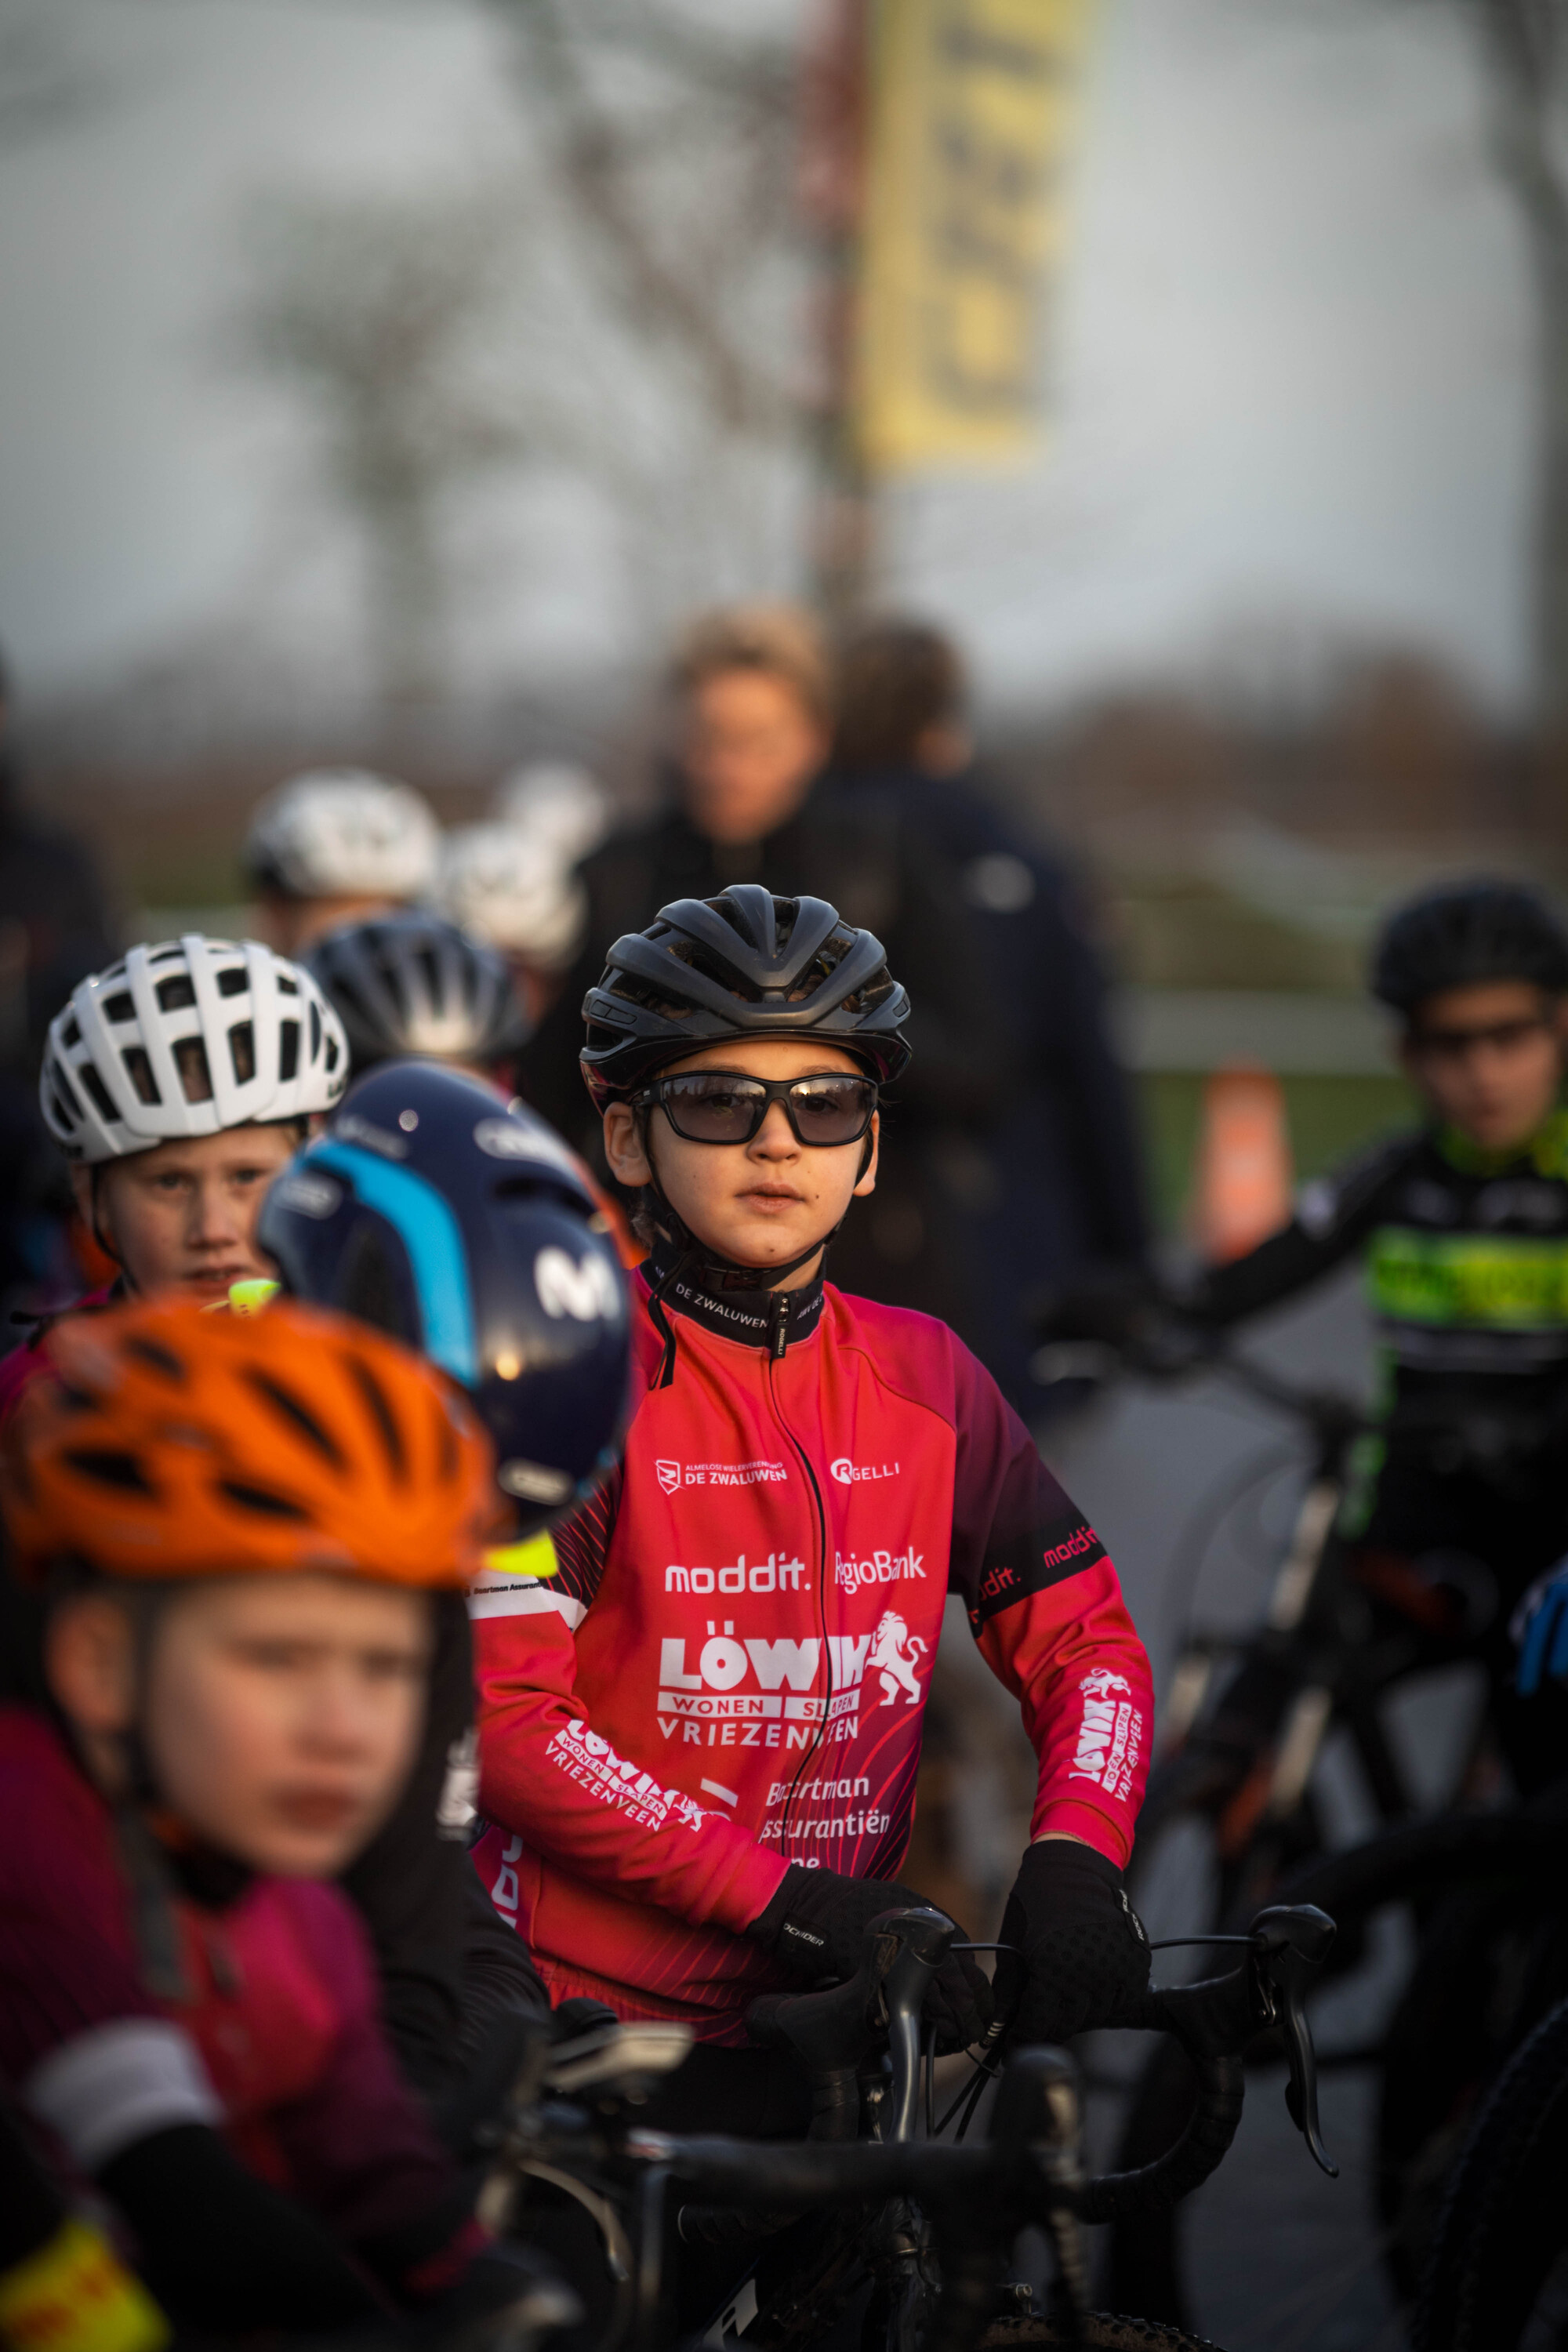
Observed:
{"x":851,"y":1474}
{"x":1110,"y":1734}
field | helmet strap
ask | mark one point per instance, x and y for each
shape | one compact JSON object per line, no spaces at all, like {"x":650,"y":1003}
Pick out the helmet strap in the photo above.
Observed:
{"x":99,"y":1235}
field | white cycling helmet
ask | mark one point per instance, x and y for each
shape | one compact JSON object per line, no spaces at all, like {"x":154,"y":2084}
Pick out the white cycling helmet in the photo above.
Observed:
{"x":185,"y":1039}
{"x":342,"y":832}
{"x":513,"y":892}
{"x":561,"y":807}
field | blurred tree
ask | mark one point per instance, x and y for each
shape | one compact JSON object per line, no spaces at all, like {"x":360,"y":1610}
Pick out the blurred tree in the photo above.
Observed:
{"x":620,"y":308}
{"x":1521,"y":43}
{"x":44,"y":84}
{"x":382,"y":310}
{"x":673,"y":145}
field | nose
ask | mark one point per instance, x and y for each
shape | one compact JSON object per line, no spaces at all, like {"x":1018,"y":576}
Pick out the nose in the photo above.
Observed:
{"x":774,"y":1139}
{"x":213,"y":1222}
{"x":335,"y":1718}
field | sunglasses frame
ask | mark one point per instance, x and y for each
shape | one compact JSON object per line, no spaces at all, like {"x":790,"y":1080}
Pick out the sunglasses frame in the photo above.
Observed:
{"x":773,"y":1090}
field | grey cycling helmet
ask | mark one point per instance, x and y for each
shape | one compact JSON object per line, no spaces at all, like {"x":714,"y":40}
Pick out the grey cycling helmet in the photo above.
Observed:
{"x":1465,"y":932}
{"x":415,"y":983}
{"x":744,"y":964}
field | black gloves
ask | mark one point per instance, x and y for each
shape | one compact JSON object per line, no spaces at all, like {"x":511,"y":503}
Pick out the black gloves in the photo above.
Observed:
{"x":816,"y":1921}
{"x":1086,"y":1957}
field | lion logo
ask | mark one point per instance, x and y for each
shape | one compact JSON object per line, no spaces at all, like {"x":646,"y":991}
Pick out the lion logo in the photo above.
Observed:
{"x":893,"y":1652}
{"x":1102,"y":1682}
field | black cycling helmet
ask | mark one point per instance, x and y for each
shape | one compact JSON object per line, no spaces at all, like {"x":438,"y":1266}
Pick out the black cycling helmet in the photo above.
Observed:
{"x":463,"y":1225}
{"x":744,"y":964}
{"x":415,"y":983}
{"x":1464,"y":932}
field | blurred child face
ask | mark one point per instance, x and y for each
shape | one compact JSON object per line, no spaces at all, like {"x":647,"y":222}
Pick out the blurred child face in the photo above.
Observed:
{"x":1489,"y":1059}
{"x":183,"y":1216}
{"x":762,"y":1203}
{"x":751,"y":750}
{"x":280,"y":1714}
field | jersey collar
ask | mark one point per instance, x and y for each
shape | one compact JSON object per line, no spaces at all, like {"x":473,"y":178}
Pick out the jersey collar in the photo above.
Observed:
{"x":735,"y":1308}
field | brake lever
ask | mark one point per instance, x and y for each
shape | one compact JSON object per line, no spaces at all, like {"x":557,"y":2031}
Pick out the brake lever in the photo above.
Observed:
{"x":1289,"y":1943}
{"x":919,"y":1940}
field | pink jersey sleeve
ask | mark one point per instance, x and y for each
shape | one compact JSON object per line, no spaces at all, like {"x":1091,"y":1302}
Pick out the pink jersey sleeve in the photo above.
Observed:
{"x":608,"y":1818}
{"x":1047,"y":1609}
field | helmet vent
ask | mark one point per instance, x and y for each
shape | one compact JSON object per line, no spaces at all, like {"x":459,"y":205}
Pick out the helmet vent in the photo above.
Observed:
{"x":196,"y":1078}
{"x":374,"y":1395}
{"x":94,"y":1086}
{"x":140,"y":1070}
{"x":652,"y":1000}
{"x":119,"y":1007}
{"x":110,"y":1469}
{"x":176,"y":992}
{"x":242,"y":1051}
{"x":284,"y":1401}
{"x":262,"y":1499}
{"x":287,"y":1050}
{"x":232,"y":983}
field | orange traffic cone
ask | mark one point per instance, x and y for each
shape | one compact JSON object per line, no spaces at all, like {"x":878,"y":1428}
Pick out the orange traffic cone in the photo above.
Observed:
{"x":1244,"y":1174}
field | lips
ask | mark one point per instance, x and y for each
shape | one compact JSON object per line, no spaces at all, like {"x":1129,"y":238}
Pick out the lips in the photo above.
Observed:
{"x":215,"y":1280}
{"x":317,"y":1808}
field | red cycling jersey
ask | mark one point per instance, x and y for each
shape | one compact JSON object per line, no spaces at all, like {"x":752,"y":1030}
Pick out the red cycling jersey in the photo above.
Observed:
{"x":275,"y":2041}
{"x":728,"y":1671}
{"x":27,"y":1362}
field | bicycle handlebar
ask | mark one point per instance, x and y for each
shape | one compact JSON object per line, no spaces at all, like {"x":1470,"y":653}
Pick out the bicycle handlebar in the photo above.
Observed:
{"x":1214,"y":2020}
{"x":834,"y":2033}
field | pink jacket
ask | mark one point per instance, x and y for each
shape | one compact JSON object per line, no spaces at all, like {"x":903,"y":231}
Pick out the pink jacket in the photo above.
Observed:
{"x":729,"y":1670}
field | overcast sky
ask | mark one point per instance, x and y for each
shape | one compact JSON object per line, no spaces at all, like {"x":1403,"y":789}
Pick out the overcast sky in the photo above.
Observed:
{"x":1289,"y":359}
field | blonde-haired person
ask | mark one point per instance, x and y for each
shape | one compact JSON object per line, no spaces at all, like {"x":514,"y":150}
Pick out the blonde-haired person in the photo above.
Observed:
{"x":748,"y":724}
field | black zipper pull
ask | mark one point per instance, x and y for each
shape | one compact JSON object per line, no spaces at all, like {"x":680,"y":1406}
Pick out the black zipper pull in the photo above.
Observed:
{"x":778,"y":1324}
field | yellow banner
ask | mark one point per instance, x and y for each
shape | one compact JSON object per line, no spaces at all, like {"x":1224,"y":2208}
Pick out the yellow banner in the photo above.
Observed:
{"x":971,"y":104}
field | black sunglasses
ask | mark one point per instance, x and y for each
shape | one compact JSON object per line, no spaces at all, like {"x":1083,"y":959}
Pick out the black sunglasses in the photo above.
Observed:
{"x":726,"y":1106}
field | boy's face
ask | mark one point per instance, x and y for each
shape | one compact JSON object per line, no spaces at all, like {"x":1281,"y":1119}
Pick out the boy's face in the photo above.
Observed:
{"x":183,"y":1216}
{"x":1489,"y":1059}
{"x":760,"y":1203}
{"x":280,"y":1714}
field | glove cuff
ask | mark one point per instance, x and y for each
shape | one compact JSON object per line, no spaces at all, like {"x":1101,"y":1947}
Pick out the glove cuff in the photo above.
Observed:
{"x":1055,"y":1861}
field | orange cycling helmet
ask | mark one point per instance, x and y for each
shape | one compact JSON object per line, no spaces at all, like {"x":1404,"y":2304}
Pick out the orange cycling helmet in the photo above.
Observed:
{"x":177,"y":1442}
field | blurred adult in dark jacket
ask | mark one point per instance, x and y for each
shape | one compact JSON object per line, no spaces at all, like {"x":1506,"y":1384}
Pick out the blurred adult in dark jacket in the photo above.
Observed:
{"x":753,"y":708}
{"x":54,"y":929}
{"x":1054,"y":1190}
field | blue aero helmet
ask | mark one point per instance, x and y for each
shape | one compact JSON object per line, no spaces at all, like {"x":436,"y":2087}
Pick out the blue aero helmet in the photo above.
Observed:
{"x":459,"y":1223}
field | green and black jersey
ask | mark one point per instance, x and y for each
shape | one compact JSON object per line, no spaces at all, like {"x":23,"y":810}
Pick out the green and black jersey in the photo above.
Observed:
{"x":1466,"y":1260}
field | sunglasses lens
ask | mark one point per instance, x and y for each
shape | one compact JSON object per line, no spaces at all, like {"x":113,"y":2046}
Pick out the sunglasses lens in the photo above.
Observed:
{"x":713,"y":1108}
{"x":832,"y":1110}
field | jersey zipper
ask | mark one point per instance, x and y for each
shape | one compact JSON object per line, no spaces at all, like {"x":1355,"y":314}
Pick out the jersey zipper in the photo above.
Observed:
{"x":778,"y":1340}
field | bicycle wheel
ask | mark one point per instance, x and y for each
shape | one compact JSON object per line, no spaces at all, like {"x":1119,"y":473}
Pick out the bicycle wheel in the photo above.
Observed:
{"x":1429,"y":1866}
{"x":1102,"y":2330}
{"x":1496,"y":2280}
